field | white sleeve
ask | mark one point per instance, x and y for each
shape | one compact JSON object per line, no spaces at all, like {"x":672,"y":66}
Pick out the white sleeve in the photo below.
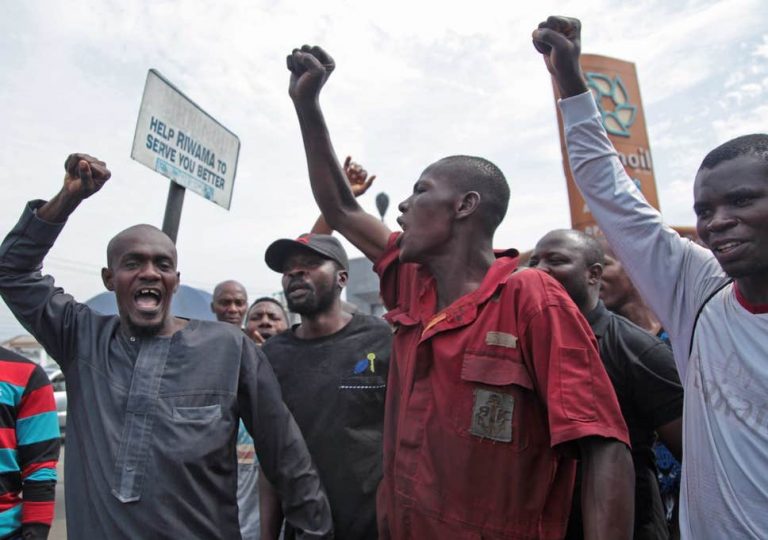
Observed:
{"x":673,"y":274}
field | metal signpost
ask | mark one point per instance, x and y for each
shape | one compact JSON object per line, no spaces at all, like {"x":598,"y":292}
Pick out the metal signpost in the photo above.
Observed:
{"x":178,"y":139}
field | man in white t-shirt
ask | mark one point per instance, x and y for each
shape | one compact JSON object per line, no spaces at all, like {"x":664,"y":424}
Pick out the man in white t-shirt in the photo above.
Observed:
{"x":713,"y":302}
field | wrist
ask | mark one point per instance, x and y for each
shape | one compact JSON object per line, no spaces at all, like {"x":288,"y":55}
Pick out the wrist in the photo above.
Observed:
{"x":307,"y":105}
{"x":58,"y":209}
{"x":572,"y":85}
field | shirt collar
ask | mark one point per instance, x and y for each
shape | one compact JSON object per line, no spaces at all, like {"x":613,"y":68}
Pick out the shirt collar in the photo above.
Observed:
{"x":598,"y":318}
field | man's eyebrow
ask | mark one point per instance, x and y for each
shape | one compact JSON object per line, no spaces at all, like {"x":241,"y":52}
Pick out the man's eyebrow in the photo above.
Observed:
{"x":744,"y":190}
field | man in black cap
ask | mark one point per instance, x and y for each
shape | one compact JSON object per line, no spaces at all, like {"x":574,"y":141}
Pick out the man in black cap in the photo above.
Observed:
{"x":332,"y":368}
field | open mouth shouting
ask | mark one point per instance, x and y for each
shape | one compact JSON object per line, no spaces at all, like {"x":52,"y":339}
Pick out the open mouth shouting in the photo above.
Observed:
{"x":403,"y":226}
{"x":148,"y":300}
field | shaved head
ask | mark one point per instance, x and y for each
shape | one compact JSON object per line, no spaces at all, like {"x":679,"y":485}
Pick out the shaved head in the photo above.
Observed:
{"x":230,"y":284}
{"x":137,"y":234}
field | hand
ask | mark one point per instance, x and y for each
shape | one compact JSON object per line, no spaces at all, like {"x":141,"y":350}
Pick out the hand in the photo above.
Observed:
{"x":558,"y":39}
{"x":310,"y":67}
{"x":85,"y":175}
{"x":257,"y":338}
{"x":356,"y":176}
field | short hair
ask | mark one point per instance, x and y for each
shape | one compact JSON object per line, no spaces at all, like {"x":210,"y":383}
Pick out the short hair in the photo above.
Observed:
{"x":755,"y":144}
{"x":590,"y":246}
{"x":471,"y":173}
{"x":274,"y":301}
{"x":219,"y":286}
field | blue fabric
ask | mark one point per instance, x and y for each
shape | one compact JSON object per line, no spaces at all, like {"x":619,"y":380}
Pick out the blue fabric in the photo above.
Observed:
{"x":669,"y":470}
{"x":40,"y":427}
{"x":10,"y":394}
{"x":10,"y":520}
{"x":42,"y":475}
{"x":8,"y":460}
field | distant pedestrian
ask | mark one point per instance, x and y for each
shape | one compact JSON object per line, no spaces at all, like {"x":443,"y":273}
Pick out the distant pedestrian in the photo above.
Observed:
{"x":29,"y":449}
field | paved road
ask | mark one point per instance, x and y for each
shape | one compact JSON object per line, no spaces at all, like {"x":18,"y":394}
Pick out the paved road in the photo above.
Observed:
{"x":59,"y":529}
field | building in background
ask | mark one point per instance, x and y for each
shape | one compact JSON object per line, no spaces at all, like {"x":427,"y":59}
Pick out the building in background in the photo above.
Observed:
{"x":363,"y":287}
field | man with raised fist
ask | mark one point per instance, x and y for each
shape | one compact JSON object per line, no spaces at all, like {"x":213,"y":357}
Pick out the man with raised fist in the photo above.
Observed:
{"x":154,"y":400}
{"x":713,"y":302}
{"x":495,"y":381}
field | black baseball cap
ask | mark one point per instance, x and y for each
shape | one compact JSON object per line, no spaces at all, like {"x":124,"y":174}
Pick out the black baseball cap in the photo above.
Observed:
{"x":322,"y":244}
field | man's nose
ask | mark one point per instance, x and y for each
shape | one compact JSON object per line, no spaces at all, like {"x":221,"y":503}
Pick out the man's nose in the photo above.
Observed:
{"x":722,"y":219}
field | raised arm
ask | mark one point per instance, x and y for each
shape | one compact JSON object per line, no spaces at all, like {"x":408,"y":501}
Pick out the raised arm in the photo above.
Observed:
{"x":672,"y":274}
{"x":44,"y":310}
{"x":359,"y":182}
{"x":310,"y":68}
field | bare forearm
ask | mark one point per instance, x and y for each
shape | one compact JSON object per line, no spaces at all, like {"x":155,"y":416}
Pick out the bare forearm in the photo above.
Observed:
{"x":671,"y":434}
{"x":321,"y":226}
{"x":59,"y":208}
{"x":608,"y":489}
{"x":329,"y":184}
{"x":271,"y":517}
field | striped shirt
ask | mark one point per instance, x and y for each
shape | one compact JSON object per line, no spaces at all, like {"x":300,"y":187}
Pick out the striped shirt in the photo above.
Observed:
{"x":29,"y":448}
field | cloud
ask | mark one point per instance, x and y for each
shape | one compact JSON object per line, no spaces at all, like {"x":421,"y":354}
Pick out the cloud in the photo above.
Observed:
{"x":415,"y":81}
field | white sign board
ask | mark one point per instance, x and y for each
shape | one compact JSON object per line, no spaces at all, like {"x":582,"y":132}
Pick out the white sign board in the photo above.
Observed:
{"x":181,"y":141}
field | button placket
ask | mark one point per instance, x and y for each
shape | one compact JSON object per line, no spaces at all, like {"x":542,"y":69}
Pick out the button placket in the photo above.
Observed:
{"x":142,"y":397}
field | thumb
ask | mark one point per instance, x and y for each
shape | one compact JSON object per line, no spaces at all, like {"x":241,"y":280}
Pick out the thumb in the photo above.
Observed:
{"x":85,"y":174}
{"x":309,"y":62}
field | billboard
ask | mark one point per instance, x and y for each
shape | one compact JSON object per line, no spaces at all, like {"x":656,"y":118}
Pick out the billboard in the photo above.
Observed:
{"x":178,"y":139}
{"x":616,"y":90}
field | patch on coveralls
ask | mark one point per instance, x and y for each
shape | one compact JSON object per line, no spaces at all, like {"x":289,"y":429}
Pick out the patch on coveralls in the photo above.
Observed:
{"x":502,"y":339}
{"x":492,"y":415}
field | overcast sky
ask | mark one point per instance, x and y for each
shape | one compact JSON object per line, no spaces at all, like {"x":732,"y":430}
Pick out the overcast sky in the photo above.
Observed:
{"x":415,"y":81}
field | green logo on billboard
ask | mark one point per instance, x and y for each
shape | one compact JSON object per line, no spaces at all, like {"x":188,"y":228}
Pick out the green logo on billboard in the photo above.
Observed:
{"x":613,"y":103}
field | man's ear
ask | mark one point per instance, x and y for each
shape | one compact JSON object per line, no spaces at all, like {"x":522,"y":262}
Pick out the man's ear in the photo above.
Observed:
{"x":595,"y":273}
{"x":341,"y":278}
{"x":107,"y":277}
{"x":468,"y":204}
{"x":178,"y":282}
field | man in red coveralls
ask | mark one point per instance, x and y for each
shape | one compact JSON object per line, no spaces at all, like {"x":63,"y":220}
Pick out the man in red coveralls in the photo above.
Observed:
{"x":495,"y":385}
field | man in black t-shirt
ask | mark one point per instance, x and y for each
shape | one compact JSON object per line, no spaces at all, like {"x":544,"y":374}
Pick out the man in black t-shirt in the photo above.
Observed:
{"x":640,"y":366}
{"x":332,"y":368}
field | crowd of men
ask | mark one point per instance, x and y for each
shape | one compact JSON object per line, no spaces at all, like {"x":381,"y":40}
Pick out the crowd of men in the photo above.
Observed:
{"x":493,"y":401}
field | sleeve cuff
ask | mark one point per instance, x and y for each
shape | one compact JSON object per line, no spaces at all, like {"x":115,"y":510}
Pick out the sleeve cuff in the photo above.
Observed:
{"x":576,"y":432}
{"x":577,"y":109}
{"x":39,"y":229}
{"x":390,"y":255}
